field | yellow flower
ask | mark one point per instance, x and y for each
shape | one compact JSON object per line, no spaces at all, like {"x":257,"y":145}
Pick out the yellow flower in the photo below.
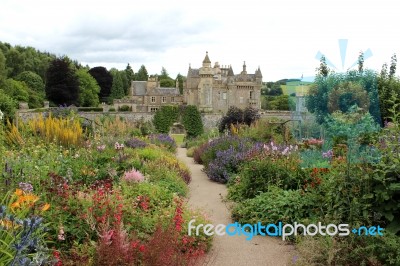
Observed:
{"x":15,"y":205}
{"x":18,"y":192}
{"x":45,"y":207}
{"x":31,"y":198}
{"x":7,"y":224}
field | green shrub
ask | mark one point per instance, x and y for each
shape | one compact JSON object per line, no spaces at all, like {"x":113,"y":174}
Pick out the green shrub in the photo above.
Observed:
{"x":256,"y":176}
{"x":90,"y":109}
{"x":112,"y":109}
{"x":125,"y":108}
{"x":320,"y":250}
{"x":191,"y":119}
{"x":287,"y":206}
{"x":165,"y":117}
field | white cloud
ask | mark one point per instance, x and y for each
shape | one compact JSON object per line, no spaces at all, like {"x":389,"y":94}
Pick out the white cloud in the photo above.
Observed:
{"x":282,"y":37}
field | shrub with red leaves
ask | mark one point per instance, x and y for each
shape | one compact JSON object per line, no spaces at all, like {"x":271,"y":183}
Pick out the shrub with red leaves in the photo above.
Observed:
{"x":198,"y":152}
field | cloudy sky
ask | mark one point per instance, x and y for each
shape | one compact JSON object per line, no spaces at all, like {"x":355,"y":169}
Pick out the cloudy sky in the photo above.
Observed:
{"x":283,"y":37}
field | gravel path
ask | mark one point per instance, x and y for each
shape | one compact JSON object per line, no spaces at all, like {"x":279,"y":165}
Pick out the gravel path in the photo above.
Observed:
{"x":230,"y":250}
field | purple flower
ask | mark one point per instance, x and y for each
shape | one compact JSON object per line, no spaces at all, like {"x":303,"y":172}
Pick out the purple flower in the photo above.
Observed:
{"x":135,"y":143}
{"x":328,"y":154}
{"x":26,"y":187}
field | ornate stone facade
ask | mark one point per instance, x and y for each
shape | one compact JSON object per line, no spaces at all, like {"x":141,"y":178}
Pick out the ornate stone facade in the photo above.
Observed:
{"x":215,"y":89}
{"x":148,"y":96}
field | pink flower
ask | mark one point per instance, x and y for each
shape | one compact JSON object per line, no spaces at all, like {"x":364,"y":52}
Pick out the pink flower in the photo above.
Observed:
{"x":133,"y":176}
{"x":101,"y":147}
{"x":118,"y":146}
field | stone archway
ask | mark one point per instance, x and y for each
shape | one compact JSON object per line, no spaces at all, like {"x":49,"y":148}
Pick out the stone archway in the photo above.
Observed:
{"x":177,"y":128}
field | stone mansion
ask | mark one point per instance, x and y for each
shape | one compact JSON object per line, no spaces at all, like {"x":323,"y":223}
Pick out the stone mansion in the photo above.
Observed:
{"x":211,"y":89}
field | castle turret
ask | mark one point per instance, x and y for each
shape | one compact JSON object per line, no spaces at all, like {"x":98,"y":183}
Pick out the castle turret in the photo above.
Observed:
{"x":206,"y":61}
{"x":244,"y":72}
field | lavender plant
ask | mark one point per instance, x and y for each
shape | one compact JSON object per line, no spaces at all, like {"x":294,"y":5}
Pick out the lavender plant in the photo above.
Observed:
{"x":163,"y":140}
{"x":135,"y":143}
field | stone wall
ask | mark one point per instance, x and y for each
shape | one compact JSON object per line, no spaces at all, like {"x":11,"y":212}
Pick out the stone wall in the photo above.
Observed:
{"x":209,"y":120}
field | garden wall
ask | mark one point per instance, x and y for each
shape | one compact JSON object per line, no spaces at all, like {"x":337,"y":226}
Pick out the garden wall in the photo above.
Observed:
{"x":209,"y":120}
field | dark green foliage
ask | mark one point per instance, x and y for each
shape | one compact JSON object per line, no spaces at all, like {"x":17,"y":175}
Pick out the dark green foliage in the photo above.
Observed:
{"x":388,"y":86}
{"x":180,"y":79}
{"x":191,"y":120}
{"x":142,"y":74}
{"x":361,"y":62}
{"x":88,"y":89}
{"x":237,"y":116}
{"x":276,"y":205}
{"x":3,"y":70}
{"x":281,"y":102}
{"x":62,"y":85}
{"x":324,"y":88}
{"x":7,"y":105}
{"x":323,"y":69}
{"x":124,"y":108}
{"x":90,"y":109}
{"x":257,"y":176}
{"x":167,"y":83}
{"x":165,"y":117}
{"x":275,"y":90}
{"x":33,"y":80}
{"x":117,"y":88}
{"x":393,"y":64}
{"x":129,"y":77}
{"x":17,"y":90}
{"x":104,"y":80}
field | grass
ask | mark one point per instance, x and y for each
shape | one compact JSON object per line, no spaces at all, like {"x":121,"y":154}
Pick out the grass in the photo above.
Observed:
{"x":178,"y":138}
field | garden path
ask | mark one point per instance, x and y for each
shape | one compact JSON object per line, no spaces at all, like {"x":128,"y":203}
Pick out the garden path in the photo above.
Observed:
{"x":230,"y":250}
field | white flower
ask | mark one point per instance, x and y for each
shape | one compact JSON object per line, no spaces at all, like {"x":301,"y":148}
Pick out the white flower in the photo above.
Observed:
{"x":1,"y":115}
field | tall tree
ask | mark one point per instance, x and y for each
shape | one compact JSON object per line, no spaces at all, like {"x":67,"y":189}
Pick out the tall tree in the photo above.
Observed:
{"x":104,"y":79}
{"x":15,"y":62}
{"x":3,"y":70}
{"x":180,"y":79}
{"x":142,"y":74}
{"x":164,"y":73}
{"x":88,"y":89}
{"x":323,"y":69}
{"x":117,"y":89}
{"x":129,"y":73}
{"x":130,"y":76}
{"x":361,"y":62}
{"x":62,"y":85}
{"x":393,"y":63}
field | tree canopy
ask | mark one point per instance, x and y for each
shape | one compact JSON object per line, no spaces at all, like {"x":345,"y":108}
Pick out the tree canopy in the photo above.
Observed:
{"x":62,"y":85}
{"x":88,"y":89}
{"x":104,"y":80}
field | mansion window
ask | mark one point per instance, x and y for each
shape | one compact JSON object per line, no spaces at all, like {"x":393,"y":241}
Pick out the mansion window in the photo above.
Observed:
{"x":251,"y":95}
{"x":172,"y":99}
{"x":164,"y":99}
{"x":153,"y":109}
{"x":153,"y":99}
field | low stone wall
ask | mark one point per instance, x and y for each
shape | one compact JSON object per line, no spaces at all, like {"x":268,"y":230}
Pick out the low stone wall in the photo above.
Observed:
{"x":209,"y":120}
